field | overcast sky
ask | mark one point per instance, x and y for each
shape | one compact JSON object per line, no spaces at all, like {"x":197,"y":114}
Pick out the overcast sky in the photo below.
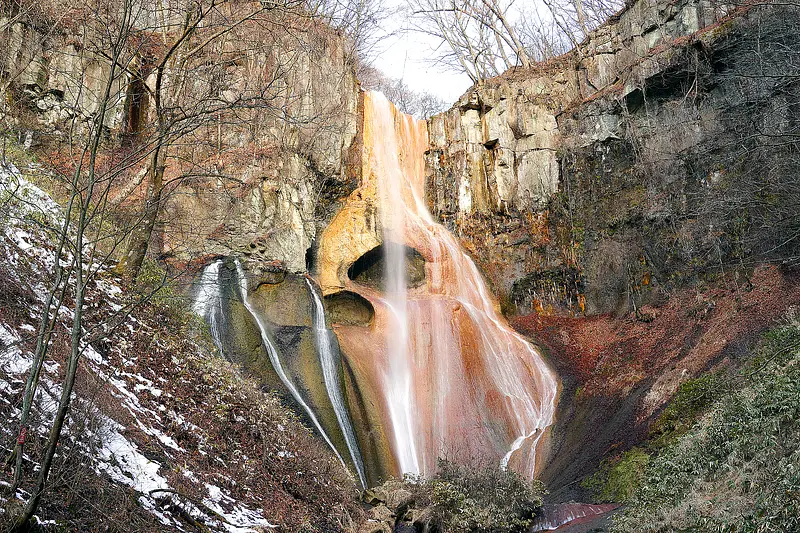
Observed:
{"x":402,"y":55}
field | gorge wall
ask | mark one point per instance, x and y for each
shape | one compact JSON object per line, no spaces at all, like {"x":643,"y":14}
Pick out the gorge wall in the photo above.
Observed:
{"x":597,"y":181}
{"x":623,"y":200}
{"x":259,"y":183}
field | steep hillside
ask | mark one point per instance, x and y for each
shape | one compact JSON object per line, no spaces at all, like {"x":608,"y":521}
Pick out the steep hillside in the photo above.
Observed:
{"x":164,"y":434}
{"x":723,"y":456}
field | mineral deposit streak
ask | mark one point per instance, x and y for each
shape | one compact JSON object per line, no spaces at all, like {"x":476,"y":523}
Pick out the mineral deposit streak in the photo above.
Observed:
{"x":458,"y":381}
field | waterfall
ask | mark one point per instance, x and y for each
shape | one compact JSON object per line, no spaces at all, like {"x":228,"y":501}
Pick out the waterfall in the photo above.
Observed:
{"x":208,"y":301}
{"x":554,"y":516}
{"x":330,"y":375}
{"x":456,"y":375}
{"x":442,"y":372}
{"x":398,"y":377}
{"x":272,"y":353}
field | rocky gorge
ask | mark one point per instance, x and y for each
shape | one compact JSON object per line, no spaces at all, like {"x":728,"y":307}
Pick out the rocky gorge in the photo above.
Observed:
{"x":629,"y":208}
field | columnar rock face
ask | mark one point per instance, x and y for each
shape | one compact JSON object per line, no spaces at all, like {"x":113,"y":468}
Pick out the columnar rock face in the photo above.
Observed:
{"x":260,"y":183}
{"x":499,"y":142}
{"x":283,"y":187}
{"x":576,"y":182}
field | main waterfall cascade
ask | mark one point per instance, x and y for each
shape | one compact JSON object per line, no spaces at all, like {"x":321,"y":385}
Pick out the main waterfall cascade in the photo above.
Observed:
{"x":436,"y":371}
{"x":459,"y":381}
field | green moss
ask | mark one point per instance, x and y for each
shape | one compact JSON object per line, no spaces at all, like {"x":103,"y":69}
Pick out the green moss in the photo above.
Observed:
{"x":692,"y":399}
{"x":618,"y":478}
{"x":735,"y":469}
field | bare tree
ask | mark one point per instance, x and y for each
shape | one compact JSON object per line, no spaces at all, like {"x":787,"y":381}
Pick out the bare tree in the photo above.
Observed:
{"x":420,"y":104}
{"x":360,"y":20}
{"x":475,"y":37}
{"x":483,"y":38}
{"x":80,"y":267}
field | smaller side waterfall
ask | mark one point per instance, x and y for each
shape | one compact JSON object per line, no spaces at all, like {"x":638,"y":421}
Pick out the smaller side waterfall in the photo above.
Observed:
{"x":208,"y":301}
{"x":330,"y":375}
{"x":554,"y":516}
{"x":272,"y":352}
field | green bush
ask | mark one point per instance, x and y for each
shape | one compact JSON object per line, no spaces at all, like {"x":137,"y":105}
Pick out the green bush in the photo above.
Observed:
{"x":479,"y":499}
{"x":691,"y":400}
{"x":156,"y":287}
{"x":617,"y":479}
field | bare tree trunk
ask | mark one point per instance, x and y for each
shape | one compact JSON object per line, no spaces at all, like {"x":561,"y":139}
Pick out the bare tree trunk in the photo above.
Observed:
{"x":21,"y":523}
{"x":518,"y":48}
{"x":139,"y":240}
{"x":83,"y":198}
{"x":579,"y":13}
{"x":46,"y":326}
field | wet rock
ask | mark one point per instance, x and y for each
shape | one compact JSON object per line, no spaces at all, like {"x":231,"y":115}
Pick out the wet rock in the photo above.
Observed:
{"x":374,"y":526}
{"x":286,"y":303}
{"x":349,"y":309}
{"x":393,"y":495}
{"x":370,"y":268}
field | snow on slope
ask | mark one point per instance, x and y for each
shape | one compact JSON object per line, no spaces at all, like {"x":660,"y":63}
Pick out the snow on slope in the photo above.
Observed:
{"x":29,"y":219}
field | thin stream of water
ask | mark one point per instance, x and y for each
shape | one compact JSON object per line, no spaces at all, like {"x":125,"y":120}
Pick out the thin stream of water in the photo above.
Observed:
{"x":330,"y":376}
{"x":272,"y":353}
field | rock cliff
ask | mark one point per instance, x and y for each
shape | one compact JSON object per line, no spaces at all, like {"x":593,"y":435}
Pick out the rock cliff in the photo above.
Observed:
{"x":596,"y":181}
{"x":258,"y":183}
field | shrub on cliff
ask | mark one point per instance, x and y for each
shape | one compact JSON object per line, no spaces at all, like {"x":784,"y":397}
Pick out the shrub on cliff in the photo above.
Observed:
{"x":478,"y":498}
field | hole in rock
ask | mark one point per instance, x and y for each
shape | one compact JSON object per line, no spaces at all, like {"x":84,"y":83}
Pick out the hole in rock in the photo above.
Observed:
{"x":370,"y":268}
{"x":310,"y":259}
{"x":634,"y":100}
{"x":349,"y":309}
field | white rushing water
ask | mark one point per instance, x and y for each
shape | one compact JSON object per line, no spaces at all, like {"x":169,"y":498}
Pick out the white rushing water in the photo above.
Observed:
{"x":457,"y":375}
{"x":398,"y":384}
{"x":330,"y":375}
{"x":272,"y":353}
{"x":552,"y":517}
{"x":208,"y":300}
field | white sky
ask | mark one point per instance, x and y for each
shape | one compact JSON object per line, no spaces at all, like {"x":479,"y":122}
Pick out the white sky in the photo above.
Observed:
{"x":403,"y":56}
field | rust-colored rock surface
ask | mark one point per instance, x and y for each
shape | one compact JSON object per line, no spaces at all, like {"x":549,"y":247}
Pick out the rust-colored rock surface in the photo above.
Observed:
{"x":438,"y":371}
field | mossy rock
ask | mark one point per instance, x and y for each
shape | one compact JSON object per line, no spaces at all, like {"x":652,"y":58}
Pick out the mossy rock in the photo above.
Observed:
{"x":287,"y":303}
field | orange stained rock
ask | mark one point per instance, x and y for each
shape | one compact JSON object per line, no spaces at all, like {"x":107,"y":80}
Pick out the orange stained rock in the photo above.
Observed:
{"x":444,"y":373}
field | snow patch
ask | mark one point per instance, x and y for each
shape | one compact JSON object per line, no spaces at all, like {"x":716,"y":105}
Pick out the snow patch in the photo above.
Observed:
{"x":239,"y":519}
{"x":12,"y":360}
{"x":122,"y":461}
